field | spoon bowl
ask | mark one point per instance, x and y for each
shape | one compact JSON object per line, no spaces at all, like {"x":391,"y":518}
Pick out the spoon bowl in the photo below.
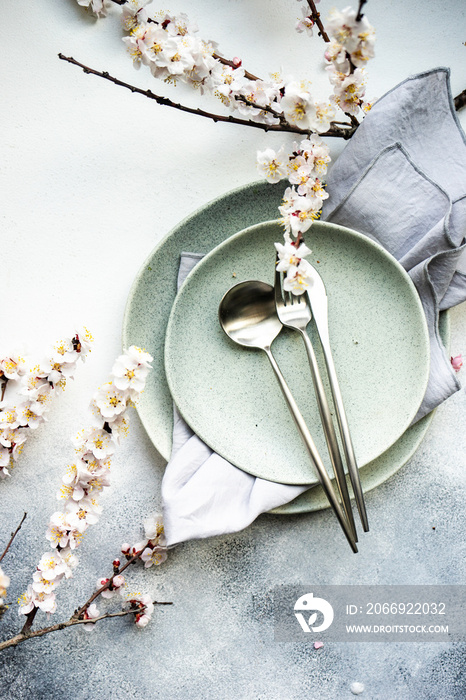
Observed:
{"x":248,"y":316}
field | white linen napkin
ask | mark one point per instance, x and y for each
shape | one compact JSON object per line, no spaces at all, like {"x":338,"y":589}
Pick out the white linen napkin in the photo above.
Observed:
{"x":402,"y":181}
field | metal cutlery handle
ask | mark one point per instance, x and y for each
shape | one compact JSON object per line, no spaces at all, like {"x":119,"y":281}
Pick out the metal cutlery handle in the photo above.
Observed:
{"x":306,"y":436}
{"x":346,"y":436}
{"x":329,"y":432}
{"x":319,"y":305}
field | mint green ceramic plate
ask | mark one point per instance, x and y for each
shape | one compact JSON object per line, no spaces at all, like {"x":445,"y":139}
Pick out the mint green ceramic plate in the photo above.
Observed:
{"x":228,"y":394}
{"x":155,"y":288}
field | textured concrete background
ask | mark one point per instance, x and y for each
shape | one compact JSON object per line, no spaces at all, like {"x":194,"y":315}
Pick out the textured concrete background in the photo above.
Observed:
{"x":91,"y":178}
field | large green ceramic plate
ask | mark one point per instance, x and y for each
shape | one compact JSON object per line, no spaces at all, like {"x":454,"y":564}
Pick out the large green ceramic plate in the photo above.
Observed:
{"x":228,"y":394}
{"x":153,"y":293}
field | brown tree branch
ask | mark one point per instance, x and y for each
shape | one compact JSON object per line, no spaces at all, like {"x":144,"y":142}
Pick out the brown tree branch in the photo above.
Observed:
{"x":22,"y":637}
{"x":460,"y":100}
{"x":360,"y":13}
{"x":315,"y":16}
{"x":108,"y":585}
{"x":286,"y":127}
{"x":13,"y":535}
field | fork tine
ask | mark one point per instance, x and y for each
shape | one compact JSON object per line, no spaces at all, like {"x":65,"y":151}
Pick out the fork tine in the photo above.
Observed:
{"x":278,"y":283}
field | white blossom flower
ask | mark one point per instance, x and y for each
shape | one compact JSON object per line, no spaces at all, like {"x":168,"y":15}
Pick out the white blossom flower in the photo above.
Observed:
{"x":41,"y":398}
{"x":226,"y":82}
{"x":301,"y":175}
{"x":155,"y":555}
{"x":298,"y":106}
{"x":83,"y":339}
{"x":116,"y":587}
{"x":45,"y":601}
{"x":57,"y":531}
{"x":82,"y":513}
{"x":118,"y":581}
{"x":97,"y":7}
{"x":12,"y":367}
{"x":179,"y":62}
{"x":138,"y":547}
{"x":51,"y":565}
{"x":90,"y":613}
{"x":290,"y":255}
{"x":4,"y":583}
{"x":325,"y":113}
{"x":264,"y":95}
{"x":357,"y":37}
{"x":316,"y":193}
{"x":337,"y":56}
{"x":43,"y":585}
{"x":179,"y":25}
{"x":95,"y":441}
{"x":8,"y":417}
{"x":155,"y":44}
{"x":306,"y":22}
{"x":120,"y":428}
{"x":298,"y":278}
{"x":129,"y":373}
{"x":27,"y":416}
{"x":64,"y":352}
{"x":110,"y":401}
{"x":153,"y":529}
{"x":61,"y":534}
{"x":70,"y":559}
{"x":5,"y":460}
{"x":272,"y":165}
{"x":133,"y":13}
{"x":136,"y":46}
{"x":142,"y":602}
{"x":56,"y":372}
{"x":348,"y":90}
{"x":26,"y":601}
{"x":299,"y":216}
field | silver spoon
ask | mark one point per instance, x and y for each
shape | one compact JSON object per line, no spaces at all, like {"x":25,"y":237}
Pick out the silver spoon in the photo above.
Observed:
{"x":248,"y":316}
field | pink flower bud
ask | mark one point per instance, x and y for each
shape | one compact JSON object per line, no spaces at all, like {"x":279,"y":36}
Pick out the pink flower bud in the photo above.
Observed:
{"x":125,"y":547}
{"x":101,"y":582}
{"x":116,"y":563}
{"x":457,"y":362}
{"x":237,"y":62}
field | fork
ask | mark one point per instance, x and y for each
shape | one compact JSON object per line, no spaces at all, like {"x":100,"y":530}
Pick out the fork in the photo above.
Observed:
{"x":295,"y":313}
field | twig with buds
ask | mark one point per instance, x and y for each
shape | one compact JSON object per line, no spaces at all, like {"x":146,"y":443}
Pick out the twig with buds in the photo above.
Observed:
{"x":335,"y":130}
{"x":315,"y":16}
{"x":81,"y":616}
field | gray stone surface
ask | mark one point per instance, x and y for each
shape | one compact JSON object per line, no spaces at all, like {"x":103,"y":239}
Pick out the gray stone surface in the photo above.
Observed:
{"x":91,"y":177}
{"x":216,"y":641}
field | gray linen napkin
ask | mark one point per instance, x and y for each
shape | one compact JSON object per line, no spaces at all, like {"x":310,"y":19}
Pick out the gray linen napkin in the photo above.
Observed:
{"x":402,"y":181}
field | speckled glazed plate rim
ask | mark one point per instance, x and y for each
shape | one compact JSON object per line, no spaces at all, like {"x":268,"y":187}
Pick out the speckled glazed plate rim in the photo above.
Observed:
{"x":198,"y":232}
{"x":228,"y":438}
